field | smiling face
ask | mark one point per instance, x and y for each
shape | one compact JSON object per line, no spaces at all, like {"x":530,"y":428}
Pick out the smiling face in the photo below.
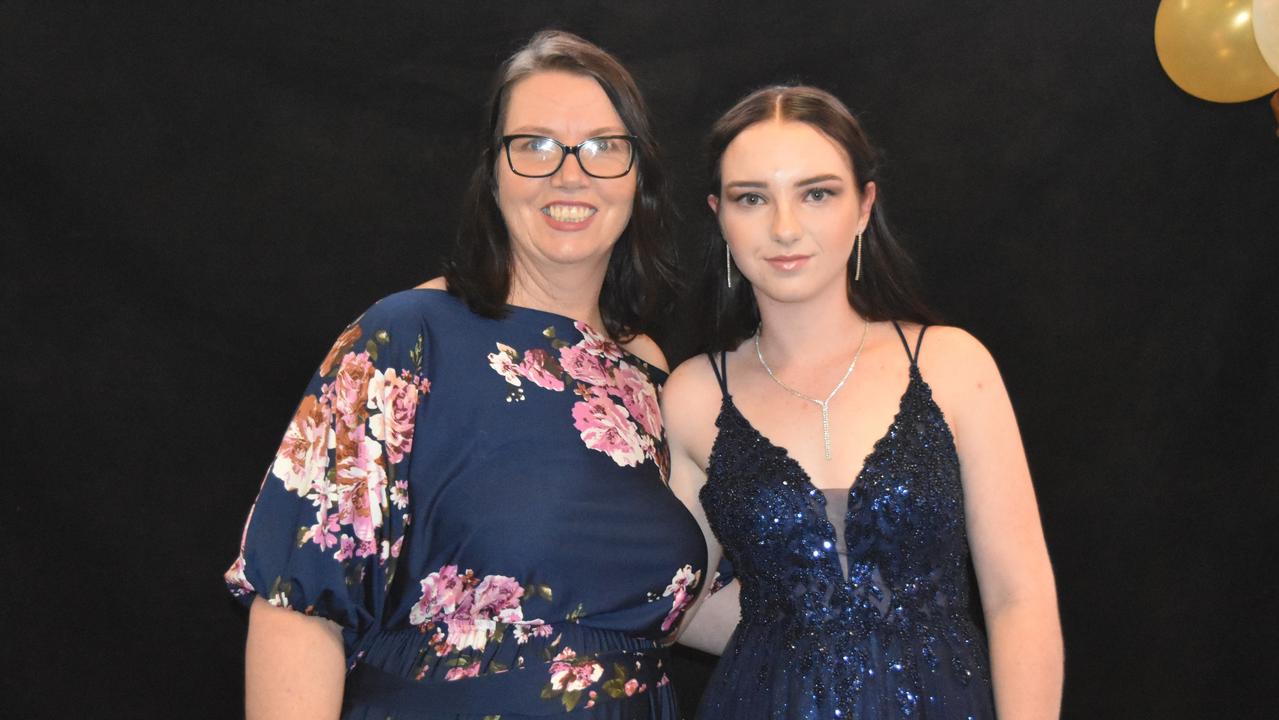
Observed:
{"x":570,"y":217}
{"x":789,"y":208}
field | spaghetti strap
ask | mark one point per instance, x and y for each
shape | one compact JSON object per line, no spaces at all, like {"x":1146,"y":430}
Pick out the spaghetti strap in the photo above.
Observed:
{"x":720,"y":370}
{"x":919,"y":342}
{"x":914,"y":357}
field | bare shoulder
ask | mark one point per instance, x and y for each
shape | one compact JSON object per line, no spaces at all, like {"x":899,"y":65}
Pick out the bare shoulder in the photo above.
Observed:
{"x":946,"y":344}
{"x":691,"y":398}
{"x":437,"y":283}
{"x":643,"y":347}
{"x":957,"y":366}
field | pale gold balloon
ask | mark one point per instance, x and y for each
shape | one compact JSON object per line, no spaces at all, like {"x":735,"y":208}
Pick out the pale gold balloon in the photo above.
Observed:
{"x":1208,"y":48}
{"x":1265,"y":26}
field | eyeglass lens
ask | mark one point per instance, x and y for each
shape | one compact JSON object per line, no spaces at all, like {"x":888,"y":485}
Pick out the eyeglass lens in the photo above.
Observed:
{"x":541,"y":156}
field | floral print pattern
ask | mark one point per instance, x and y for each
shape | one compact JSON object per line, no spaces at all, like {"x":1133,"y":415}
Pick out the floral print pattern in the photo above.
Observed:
{"x":618,"y":412}
{"x":479,"y":508}
{"x":340,"y":452}
{"x":681,"y":587}
{"x":571,"y":676}
{"x":474,"y":610}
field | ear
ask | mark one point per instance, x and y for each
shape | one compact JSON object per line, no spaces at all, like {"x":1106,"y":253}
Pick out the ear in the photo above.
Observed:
{"x":868,"y":201}
{"x":713,"y":202}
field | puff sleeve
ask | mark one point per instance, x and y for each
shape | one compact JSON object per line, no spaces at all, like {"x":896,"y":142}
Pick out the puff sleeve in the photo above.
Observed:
{"x":329,"y":522}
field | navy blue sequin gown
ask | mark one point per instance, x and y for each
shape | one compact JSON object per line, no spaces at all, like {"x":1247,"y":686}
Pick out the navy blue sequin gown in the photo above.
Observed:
{"x":481,"y":505}
{"x":893,"y":639}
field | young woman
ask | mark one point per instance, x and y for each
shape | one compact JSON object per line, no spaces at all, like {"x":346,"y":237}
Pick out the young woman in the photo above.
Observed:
{"x":467,"y":516}
{"x":849,"y":459}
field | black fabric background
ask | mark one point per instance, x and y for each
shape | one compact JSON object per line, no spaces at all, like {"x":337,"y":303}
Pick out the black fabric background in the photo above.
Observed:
{"x":196,"y":197}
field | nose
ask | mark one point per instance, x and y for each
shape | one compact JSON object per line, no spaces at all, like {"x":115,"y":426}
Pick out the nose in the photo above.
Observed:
{"x":786,"y":228}
{"x":570,"y":174}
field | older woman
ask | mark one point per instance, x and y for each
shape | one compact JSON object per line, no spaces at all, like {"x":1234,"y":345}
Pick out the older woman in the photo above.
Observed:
{"x":849,"y":460}
{"x":468,"y":515}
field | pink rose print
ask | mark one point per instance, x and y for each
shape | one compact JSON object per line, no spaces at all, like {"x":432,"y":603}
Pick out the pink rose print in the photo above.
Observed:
{"x":466,"y":671}
{"x":503,"y":362}
{"x":324,"y":531}
{"x":597,"y":344}
{"x":400,"y":494}
{"x":395,"y":400}
{"x":530,"y":629}
{"x":582,"y":366}
{"x":442,"y":592}
{"x":470,"y":608}
{"x":630,"y":687}
{"x":498,"y":597}
{"x":681,"y":587}
{"x":346,"y":548}
{"x":568,"y":674}
{"x":362,"y":479}
{"x":349,"y":390}
{"x":605,"y":427}
{"x":639,"y":396}
{"x":303,"y":456}
{"x":541,"y":369}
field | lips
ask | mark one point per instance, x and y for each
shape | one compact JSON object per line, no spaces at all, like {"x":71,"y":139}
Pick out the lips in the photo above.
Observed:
{"x":570,"y":213}
{"x":787,"y":262}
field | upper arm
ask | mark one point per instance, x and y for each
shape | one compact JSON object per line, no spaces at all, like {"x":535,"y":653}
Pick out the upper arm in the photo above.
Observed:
{"x":690,"y":402}
{"x":1004,"y":530}
{"x":294,"y":664}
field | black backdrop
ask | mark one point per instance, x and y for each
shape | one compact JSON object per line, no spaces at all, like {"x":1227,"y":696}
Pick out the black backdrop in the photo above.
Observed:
{"x":195,"y":199}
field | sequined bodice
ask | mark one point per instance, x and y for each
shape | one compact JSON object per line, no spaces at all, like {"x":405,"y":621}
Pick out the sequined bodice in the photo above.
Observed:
{"x":899,"y":622}
{"x":907,"y":549}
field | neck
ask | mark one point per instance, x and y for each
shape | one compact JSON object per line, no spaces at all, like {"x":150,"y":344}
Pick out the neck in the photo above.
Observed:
{"x":571,"y":290}
{"x":822,"y":327}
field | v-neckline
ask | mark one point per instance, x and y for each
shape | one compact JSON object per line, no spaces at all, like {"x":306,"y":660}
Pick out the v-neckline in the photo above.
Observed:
{"x":810,"y":488}
{"x":874,"y":450}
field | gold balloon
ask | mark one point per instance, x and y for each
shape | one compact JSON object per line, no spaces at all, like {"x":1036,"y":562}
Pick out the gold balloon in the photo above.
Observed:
{"x":1208,"y":48}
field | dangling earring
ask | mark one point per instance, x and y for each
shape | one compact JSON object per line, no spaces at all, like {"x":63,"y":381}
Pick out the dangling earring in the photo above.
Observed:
{"x":857,"y":275}
{"x":728,"y":265}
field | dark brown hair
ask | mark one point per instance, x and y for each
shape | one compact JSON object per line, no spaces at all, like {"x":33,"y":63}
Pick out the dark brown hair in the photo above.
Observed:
{"x":639,"y":280}
{"x":889,"y":288}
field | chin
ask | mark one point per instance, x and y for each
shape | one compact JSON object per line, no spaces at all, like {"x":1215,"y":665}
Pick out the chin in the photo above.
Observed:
{"x":578,"y":251}
{"x":795,"y":291}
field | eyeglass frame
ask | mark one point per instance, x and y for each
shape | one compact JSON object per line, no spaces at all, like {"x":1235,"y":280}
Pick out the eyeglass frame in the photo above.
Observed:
{"x":565,"y":151}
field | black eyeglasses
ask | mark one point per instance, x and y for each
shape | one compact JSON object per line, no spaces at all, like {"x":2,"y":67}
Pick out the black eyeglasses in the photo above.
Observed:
{"x":535,"y":156}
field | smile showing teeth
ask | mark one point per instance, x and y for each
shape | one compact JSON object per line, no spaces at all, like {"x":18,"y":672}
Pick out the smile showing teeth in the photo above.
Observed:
{"x":568,"y":213}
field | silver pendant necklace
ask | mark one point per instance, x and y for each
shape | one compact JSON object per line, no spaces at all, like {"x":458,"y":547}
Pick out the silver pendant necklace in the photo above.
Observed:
{"x":823,"y":404}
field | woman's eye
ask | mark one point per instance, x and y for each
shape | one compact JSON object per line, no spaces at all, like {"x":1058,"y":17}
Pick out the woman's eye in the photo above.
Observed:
{"x":536,"y":145}
{"x":750,"y":199}
{"x":820,"y":194}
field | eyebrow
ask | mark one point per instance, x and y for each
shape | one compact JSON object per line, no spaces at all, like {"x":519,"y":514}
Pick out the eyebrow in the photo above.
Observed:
{"x":802,"y":183}
{"x":539,"y":130}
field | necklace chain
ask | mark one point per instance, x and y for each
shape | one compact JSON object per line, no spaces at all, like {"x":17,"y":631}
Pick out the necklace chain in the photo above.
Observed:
{"x":823,"y":404}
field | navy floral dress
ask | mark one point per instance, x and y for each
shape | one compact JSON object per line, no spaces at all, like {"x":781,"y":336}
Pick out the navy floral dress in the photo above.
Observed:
{"x":481,"y":505}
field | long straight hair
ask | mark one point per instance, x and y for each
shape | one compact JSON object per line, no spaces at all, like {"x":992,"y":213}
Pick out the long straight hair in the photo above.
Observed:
{"x":889,"y":288}
{"x":639,"y":281}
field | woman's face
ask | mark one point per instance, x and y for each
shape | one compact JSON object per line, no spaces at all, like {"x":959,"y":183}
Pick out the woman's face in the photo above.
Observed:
{"x":570,"y":217}
{"x":789,"y":208}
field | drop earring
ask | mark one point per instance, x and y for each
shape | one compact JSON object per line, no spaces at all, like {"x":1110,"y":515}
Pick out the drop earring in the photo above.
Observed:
{"x":857,"y":274}
{"x":728,"y":265}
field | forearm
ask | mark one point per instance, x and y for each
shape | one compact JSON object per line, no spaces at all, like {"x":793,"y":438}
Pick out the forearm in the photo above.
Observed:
{"x":1026,"y":659}
{"x":713,"y":622}
{"x":294,"y":665}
